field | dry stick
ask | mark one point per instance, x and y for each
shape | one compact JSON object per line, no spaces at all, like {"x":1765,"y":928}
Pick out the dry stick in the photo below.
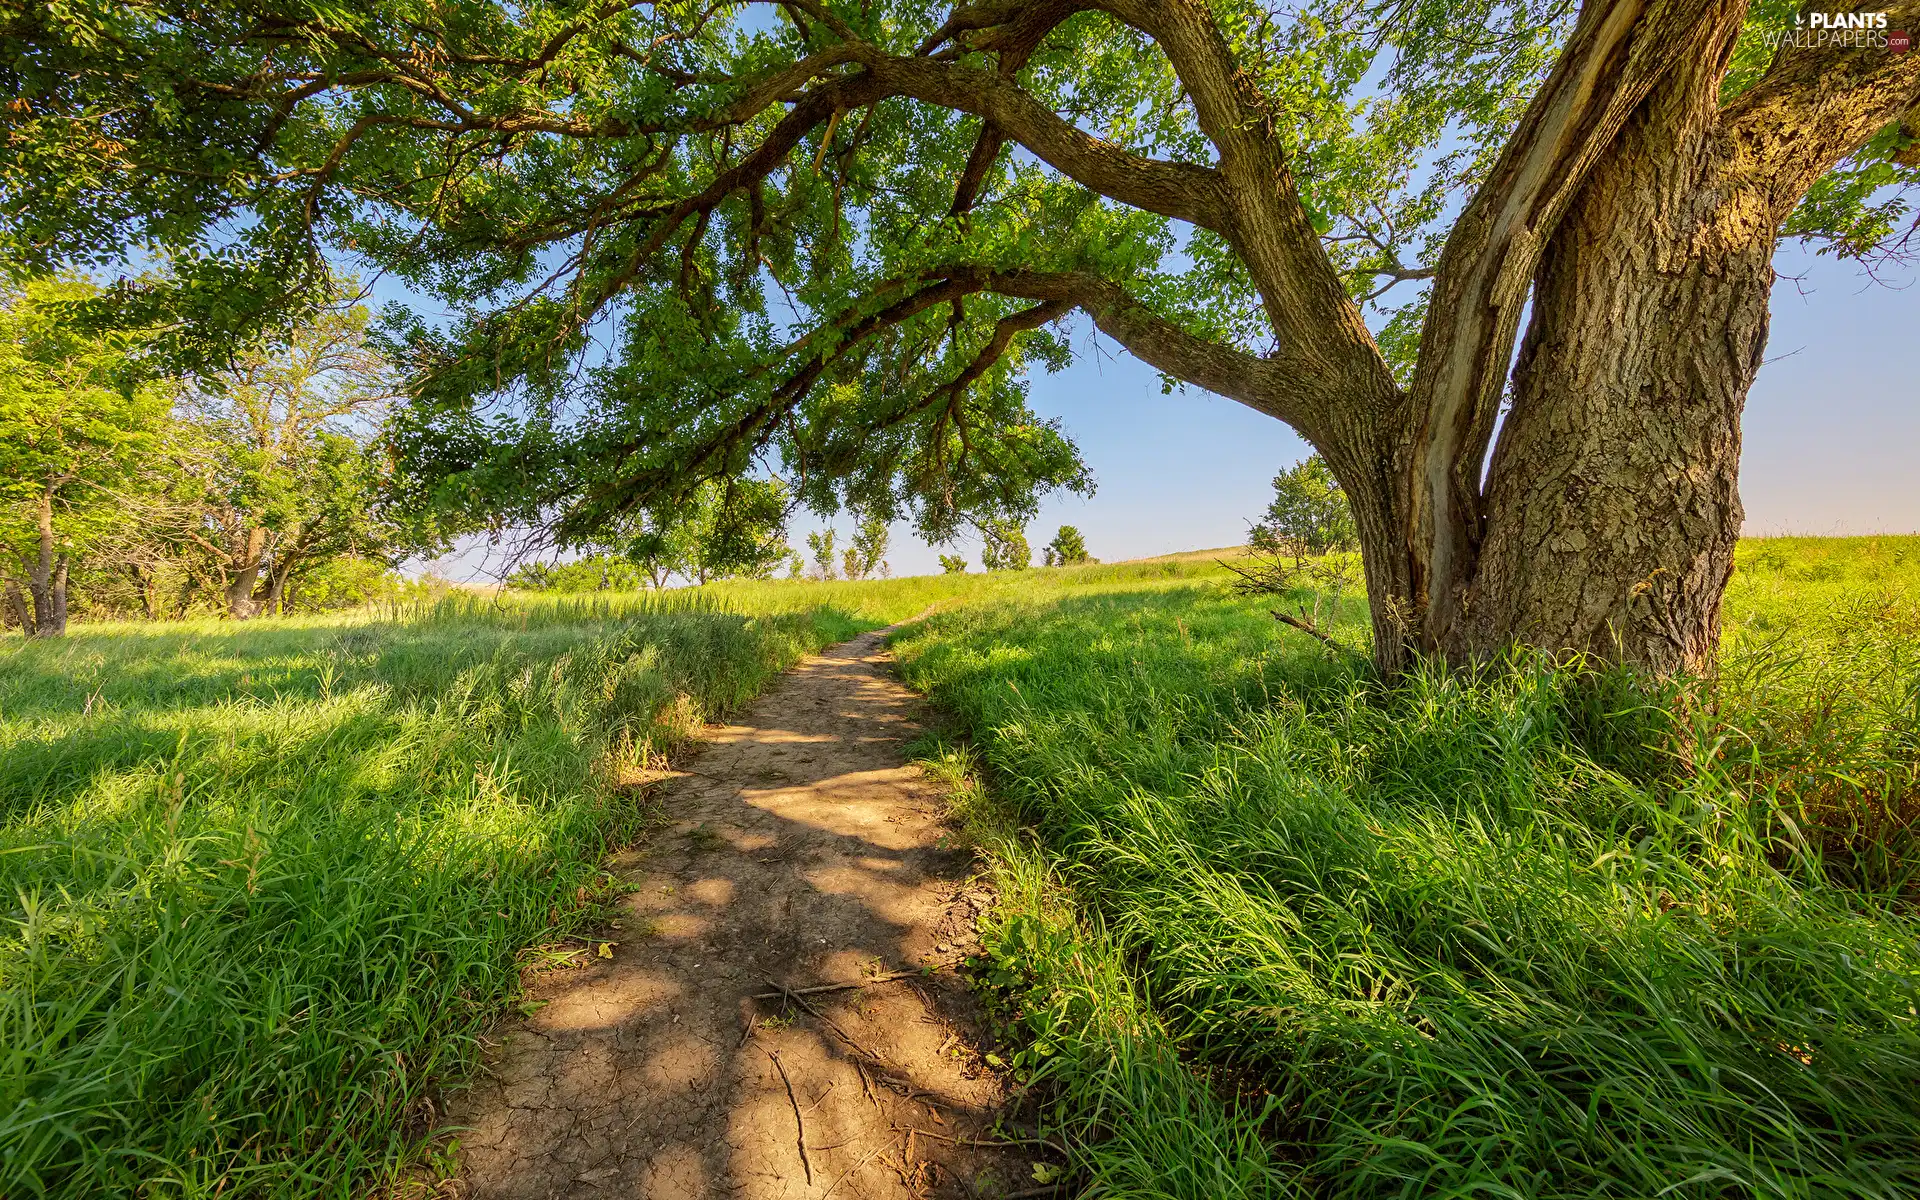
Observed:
{"x":1305,"y":626}
{"x":831,"y":987}
{"x":823,"y":1095}
{"x":798,"y":1121}
{"x":829,"y":1021}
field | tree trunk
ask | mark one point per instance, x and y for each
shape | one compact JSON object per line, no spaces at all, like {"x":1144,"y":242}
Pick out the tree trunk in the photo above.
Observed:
{"x":47,"y":577}
{"x":276,"y":598}
{"x":1613,"y":498}
{"x":147,"y":581}
{"x":1610,"y":508}
{"x":59,"y":597}
{"x":18,"y":610}
{"x":244,"y":572}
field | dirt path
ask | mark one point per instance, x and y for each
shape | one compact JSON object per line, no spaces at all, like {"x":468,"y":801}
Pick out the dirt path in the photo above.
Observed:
{"x":803,"y":850}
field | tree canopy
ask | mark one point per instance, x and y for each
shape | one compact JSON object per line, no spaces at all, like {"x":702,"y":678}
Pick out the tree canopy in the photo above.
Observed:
{"x":827,"y":240}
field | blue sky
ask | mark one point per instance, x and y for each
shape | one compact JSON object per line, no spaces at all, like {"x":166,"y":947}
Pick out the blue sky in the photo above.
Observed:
{"x":1832,"y":428}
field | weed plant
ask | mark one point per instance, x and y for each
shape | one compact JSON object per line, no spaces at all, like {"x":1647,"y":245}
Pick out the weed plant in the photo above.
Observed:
{"x":1540,"y":930}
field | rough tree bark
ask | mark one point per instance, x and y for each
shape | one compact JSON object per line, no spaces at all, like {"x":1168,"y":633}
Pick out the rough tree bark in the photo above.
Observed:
{"x":246,"y":551}
{"x":1610,"y":508}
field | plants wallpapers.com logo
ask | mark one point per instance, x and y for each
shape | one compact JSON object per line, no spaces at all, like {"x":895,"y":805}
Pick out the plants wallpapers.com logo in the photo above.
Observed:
{"x":1842,"y":31}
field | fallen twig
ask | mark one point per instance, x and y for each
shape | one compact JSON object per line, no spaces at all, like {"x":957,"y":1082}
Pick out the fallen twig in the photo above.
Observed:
{"x":832,"y":987}
{"x":799,"y":1122}
{"x":1305,"y":626}
{"x":810,"y":1010}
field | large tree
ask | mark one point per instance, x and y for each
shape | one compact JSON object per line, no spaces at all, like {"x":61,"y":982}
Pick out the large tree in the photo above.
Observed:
{"x":686,"y":242}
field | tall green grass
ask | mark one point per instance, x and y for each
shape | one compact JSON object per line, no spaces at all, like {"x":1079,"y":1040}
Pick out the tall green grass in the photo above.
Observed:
{"x":1538,"y":931}
{"x":261,"y":885}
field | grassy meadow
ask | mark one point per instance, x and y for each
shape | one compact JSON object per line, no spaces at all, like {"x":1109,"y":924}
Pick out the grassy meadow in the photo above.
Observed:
{"x":1535,"y":932}
{"x":263,"y":883}
{"x":1267,"y":928}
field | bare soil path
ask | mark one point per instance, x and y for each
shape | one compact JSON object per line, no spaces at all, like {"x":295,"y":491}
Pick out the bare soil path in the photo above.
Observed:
{"x":803,"y":851}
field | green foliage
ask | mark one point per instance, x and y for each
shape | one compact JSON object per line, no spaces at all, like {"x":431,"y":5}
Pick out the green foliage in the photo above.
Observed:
{"x":597,"y":573}
{"x":1309,"y":514}
{"x":1068,"y":549}
{"x":868,"y":553}
{"x":272,"y":474}
{"x":1005,"y":546}
{"x":263,"y":885}
{"x":821,"y":544}
{"x":682,"y":267}
{"x":953,"y":564}
{"x":76,"y":422}
{"x":1529,"y":932}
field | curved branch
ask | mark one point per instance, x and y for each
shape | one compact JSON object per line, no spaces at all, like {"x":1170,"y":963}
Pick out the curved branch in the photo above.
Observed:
{"x":1183,"y":191}
{"x":1281,"y":386}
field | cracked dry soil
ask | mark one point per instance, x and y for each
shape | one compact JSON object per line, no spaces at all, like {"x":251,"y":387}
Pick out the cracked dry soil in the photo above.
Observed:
{"x":802,"y":850}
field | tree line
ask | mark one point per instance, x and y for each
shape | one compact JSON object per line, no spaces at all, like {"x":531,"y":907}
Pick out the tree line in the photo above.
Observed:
{"x":130,"y":491}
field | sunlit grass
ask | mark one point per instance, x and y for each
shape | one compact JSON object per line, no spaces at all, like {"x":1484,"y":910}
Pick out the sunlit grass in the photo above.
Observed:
{"x":1532,"y":932}
{"x":1272,"y":928}
{"x":263,"y":884}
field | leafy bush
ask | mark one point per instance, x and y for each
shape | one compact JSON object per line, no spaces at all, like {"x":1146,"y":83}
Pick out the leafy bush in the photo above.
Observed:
{"x":1309,"y":514}
{"x":1068,"y":549}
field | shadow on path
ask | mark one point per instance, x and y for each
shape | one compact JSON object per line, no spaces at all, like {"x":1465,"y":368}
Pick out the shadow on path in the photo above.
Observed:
{"x":802,"y":850}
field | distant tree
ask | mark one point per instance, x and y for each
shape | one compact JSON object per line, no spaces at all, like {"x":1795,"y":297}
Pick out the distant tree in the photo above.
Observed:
{"x":74,"y":427}
{"x":953,"y":564}
{"x":822,"y":546}
{"x":797,"y":566}
{"x":723,"y":528}
{"x":864,"y":557}
{"x":1309,"y":514}
{"x":281,"y":482}
{"x":1067,"y":549}
{"x":1006,"y":546}
{"x":738,"y":528}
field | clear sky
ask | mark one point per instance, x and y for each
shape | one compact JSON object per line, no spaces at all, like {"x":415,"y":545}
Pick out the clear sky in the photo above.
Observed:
{"x":1832,"y":430}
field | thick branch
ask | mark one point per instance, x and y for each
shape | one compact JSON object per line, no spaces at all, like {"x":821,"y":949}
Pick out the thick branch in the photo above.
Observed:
{"x":1816,"y":105}
{"x":1306,"y":302}
{"x":1182,"y":191}
{"x":1283,"y":386}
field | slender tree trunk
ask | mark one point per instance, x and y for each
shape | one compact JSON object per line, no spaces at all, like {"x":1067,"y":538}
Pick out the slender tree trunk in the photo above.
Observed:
{"x":276,"y":598}
{"x":47,"y":577}
{"x":148,"y":582}
{"x":17,"y":608}
{"x":58,"y":599}
{"x":250,"y":548}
